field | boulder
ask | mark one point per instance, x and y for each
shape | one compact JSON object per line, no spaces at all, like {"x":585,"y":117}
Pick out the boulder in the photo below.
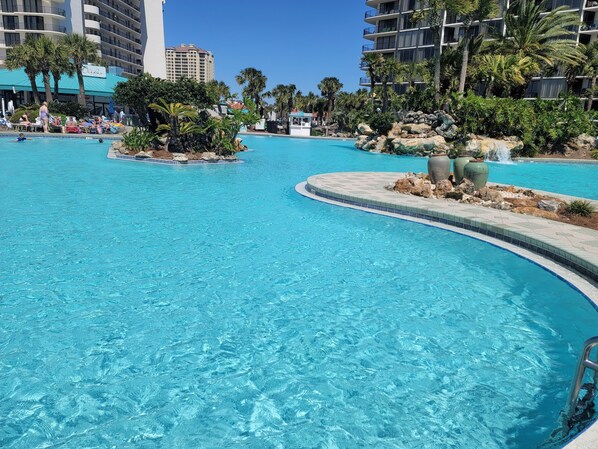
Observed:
{"x":584,"y":143}
{"x":209,"y":156}
{"x":361,"y":142}
{"x":238,"y":145}
{"x":417,"y":128}
{"x":180,"y":157}
{"x":549,"y":205}
{"x":396,"y":131}
{"x":144,"y":155}
{"x":492,"y":149}
{"x":451,"y":132}
{"x":419,"y":146}
{"x":365,"y":129}
{"x":443,"y":187}
{"x":536,"y":212}
{"x":381,"y":144}
{"x":502,"y":205}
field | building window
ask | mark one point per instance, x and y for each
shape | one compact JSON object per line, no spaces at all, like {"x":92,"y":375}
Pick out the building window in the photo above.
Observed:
{"x":10,"y":23}
{"x":12,"y":39}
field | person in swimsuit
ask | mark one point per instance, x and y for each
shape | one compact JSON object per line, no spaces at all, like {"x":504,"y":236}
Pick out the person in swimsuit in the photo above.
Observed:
{"x":44,"y":115}
{"x":21,"y":138}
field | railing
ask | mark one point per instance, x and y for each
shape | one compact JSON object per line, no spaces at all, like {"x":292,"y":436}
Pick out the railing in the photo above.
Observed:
{"x":589,"y":27}
{"x":364,"y":81}
{"x":39,"y":10}
{"x":370,"y":30}
{"x":591,"y":3}
{"x":584,"y":363}
{"x":367,"y":48}
{"x":375,"y":13}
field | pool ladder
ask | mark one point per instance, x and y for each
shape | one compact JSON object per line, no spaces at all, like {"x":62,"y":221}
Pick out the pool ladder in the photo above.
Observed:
{"x":585,"y":363}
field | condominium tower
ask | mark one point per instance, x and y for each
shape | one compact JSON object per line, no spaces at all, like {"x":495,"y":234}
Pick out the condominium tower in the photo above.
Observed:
{"x":394,"y":34}
{"x":189,"y":61}
{"x":129,"y":33}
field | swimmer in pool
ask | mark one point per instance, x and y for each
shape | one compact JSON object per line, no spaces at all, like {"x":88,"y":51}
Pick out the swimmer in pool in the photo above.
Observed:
{"x":21,"y":138}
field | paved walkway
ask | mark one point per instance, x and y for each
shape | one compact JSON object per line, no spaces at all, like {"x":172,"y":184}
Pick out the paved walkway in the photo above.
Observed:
{"x":572,"y":246}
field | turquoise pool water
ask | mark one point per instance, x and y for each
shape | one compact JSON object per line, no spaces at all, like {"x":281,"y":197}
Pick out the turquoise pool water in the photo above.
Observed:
{"x":173,"y":307}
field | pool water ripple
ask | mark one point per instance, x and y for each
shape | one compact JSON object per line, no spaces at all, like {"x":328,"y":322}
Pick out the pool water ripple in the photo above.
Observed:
{"x":175,"y":307}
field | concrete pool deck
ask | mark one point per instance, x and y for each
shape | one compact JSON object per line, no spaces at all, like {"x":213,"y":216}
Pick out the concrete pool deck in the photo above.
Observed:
{"x":570,"y":252}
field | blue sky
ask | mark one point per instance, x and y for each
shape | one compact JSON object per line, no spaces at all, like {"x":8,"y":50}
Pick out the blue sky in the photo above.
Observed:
{"x":291,"y":41}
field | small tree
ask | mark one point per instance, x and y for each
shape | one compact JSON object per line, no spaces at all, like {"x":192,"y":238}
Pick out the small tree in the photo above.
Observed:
{"x":175,"y":126}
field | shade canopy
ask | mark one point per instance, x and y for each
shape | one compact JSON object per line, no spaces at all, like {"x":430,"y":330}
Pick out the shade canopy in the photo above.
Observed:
{"x":99,"y":87}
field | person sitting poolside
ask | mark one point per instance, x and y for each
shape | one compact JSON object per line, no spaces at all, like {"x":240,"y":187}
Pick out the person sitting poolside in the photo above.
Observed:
{"x":24,"y":120}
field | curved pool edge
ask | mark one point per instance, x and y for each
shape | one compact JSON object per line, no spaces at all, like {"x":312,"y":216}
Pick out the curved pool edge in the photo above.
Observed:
{"x":588,"y":439}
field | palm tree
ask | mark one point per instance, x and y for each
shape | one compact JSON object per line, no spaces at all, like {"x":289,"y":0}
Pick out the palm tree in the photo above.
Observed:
{"x":255,"y":83}
{"x":373,"y":62}
{"x":60,"y":64}
{"x":470,"y":11}
{"x":432,"y":13}
{"x":388,"y":72}
{"x":411,"y":72}
{"x":219,"y":90}
{"x":291,"y":91}
{"x":81,"y":51}
{"x":542,"y":36}
{"x":24,"y":56}
{"x":329,"y":87}
{"x":279,"y":93}
{"x":45,"y":50}
{"x":175,"y":114}
{"x":503,"y":73}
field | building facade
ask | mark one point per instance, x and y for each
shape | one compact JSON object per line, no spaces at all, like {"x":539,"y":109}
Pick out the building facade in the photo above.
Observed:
{"x":189,"y":61}
{"x":393,"y":33}
{"x":129,"y":33}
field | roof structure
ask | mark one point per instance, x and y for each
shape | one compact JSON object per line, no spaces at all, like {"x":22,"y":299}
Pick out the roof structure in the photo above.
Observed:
{"x":99,"y":87}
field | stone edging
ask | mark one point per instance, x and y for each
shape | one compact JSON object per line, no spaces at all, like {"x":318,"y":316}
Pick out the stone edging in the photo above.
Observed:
{"x":112,"y":154}
{"x":542,"y":253}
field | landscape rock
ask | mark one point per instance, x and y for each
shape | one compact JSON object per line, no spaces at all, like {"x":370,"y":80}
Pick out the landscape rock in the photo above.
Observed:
{"x":209,"y":156}
{"x":466,"y":186}
{"x":381,"y":144}
{"x":501,"y":205}
{"x":549,"y":205}
{"x":180,"y":157}
{"x":583,"y":143}
{"x":420,"y":146}
{"x":365,"y":129}
{"x":443,"y":187}
{"x":144,"y":155}
{"x":486,"y":194}
{"x":491,"y":147}
{"x":417,"y":128}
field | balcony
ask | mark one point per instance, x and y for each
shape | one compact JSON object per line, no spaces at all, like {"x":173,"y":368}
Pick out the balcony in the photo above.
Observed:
{"x":589,"y":28}
{"x":378,"y":47}
{"x":92,"y":24}
{"x":375,"y":13}
{"x":370,"y":30}
{"x":90,"y":9}
{"x":42,"y":10}
{"x":364,"y":81}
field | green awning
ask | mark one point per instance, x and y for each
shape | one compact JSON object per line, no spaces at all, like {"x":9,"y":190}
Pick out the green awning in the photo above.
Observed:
{"x":99,"y":87}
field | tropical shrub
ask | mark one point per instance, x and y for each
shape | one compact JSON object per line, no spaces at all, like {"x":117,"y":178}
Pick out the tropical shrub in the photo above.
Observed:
{"x":542,"y":125}
{"x":595,"y":154}
{"x":31,"y":111}
{"x":70,"y":109}
{"x":580,"y":207}
{"x":138,"y":139}
{"x":381,"y":122}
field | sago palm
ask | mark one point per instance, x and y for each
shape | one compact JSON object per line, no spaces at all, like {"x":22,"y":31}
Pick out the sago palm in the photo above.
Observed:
{"x":503,"y":73}
{"x":81,"y":51}
{"x":175,"y":114}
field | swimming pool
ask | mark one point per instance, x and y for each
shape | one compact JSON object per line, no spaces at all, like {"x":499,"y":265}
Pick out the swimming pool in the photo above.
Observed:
{"x":175,"y":307}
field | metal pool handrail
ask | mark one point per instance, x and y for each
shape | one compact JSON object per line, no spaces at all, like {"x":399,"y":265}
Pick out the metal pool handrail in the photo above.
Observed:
{"x":584,"y":363}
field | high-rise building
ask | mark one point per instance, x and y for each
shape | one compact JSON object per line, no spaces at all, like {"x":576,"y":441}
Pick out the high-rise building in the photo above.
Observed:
{"x":189,"y":61}
{"x":130,"y":33}
{"x":394,"y":34}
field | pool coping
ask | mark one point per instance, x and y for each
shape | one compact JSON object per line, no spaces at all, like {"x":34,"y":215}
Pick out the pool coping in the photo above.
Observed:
{"x":62,"y":135}
{"x":366,"y":191}
{"x":113,"y":154}
{"x":375,"y":198}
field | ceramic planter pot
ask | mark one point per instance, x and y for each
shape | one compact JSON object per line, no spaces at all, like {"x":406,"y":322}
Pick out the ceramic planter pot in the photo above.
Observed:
{"x":477,"y":172}
{"x":439,"y":167}
{"x":459,"y":167}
